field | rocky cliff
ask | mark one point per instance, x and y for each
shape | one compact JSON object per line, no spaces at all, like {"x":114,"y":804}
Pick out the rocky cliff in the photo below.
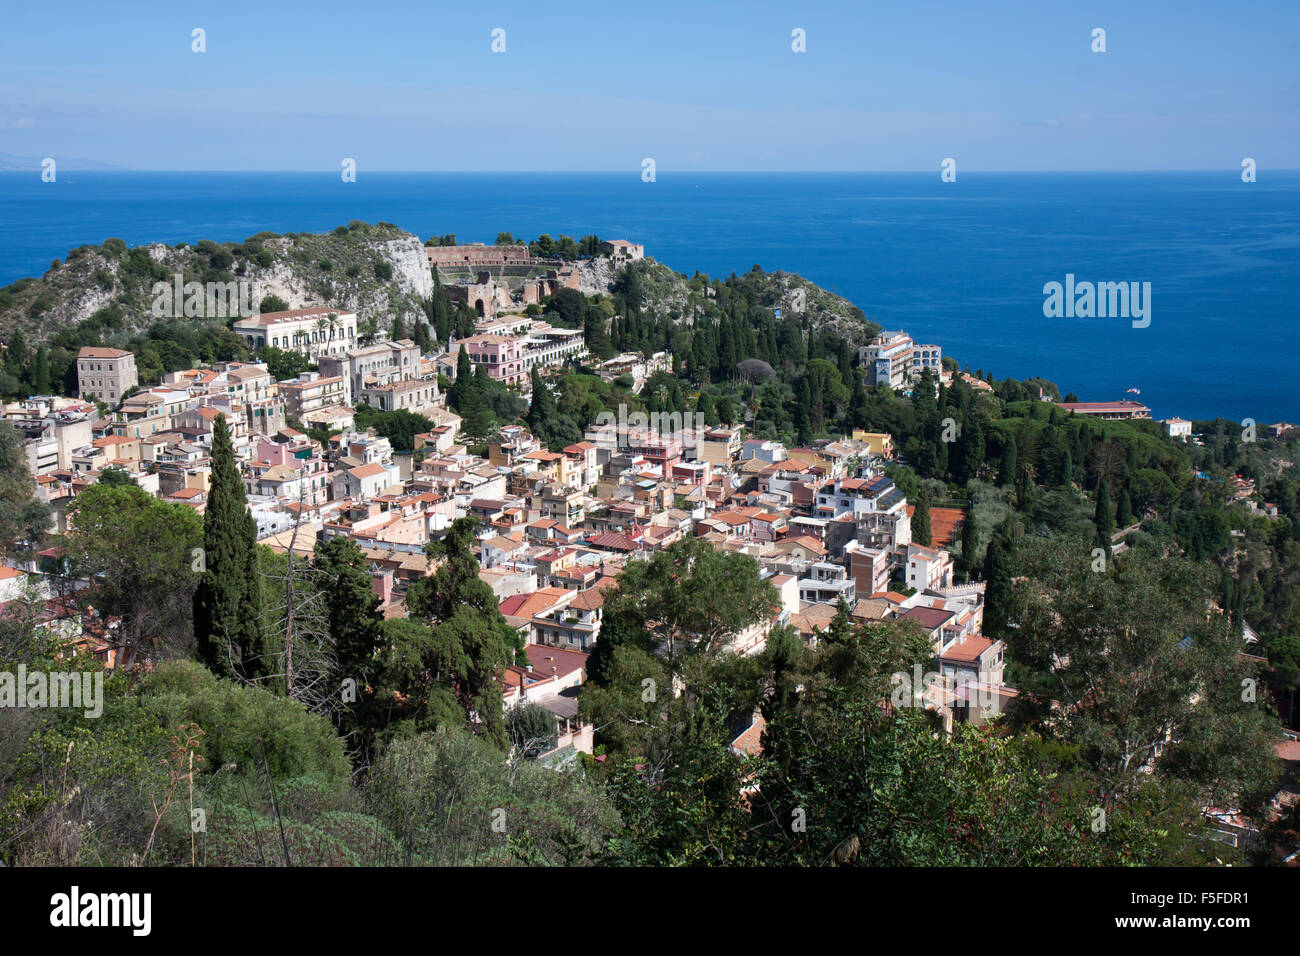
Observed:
{"x":378,"y":272}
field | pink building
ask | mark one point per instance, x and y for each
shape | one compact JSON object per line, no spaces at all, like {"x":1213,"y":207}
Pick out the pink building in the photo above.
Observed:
{"x":502,"y":355}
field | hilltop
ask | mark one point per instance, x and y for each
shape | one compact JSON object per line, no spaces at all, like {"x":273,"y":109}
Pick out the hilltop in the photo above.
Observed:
{"x":378,"y":271}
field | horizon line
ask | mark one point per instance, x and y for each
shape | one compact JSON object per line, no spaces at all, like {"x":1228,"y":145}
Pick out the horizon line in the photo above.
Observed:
{"x":636,"y":171}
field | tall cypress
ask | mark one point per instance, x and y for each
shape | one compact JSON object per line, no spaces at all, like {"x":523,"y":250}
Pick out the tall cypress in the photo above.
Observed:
{"x":1124,"y":510}
{"x":998,"y":592}
{"x":464,"y":383}
{"x":1104,"y":520}
{"x":228,"y":601}
{"x":921,"y":519}
{"x":1007,"y":469}
{"x":542,"y":411}
{"x":1066,"y":476}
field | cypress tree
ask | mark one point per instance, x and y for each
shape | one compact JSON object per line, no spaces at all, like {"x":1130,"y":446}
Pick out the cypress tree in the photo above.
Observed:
{"x":542,"y":411}
{"x":1103,"y":519}
{"x":475,"y":414}
{"x":921,"y":519}
{"x":1124,"y":510}
{"x":464,"y":379}
{"x":1066,"y":477}
{"x":726,"y":411}
{"x":707,"y":407}
{"x":1024,"y":489}
{"x":803,"y":412}
{"x":841,"y":630}
{"x":228,"y":600}
{"x":972,"y":449}
{"x":1007,"y":467}
{"x":997,"y":593}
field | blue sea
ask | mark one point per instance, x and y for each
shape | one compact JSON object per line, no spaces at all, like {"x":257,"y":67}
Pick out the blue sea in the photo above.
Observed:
{"x":959,"y":264}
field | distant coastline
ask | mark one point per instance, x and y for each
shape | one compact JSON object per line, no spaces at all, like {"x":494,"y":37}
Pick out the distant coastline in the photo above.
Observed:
{"x":962,"y":264}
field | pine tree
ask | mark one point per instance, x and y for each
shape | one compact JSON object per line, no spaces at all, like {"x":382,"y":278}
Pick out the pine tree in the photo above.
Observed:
{"x":352,"y":606}
{"x":921,"y":519}
{"x":228,"y":601}
{"x":1103,"y":519}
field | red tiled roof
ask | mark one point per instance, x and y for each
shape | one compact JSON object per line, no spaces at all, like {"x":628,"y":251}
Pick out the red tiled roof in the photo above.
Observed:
{"x":542,"y":658}
{"x":968,"y":650}
{"x":928,"y":617}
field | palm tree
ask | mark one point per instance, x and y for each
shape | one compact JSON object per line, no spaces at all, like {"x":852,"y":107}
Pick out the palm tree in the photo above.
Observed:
{"x":322,"y":324}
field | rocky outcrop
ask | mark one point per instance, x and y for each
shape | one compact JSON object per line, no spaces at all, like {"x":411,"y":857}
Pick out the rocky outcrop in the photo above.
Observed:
{"x":378,"y":272}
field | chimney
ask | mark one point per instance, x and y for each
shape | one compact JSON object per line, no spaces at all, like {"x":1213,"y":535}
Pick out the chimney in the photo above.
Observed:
{"x":382,"y":584}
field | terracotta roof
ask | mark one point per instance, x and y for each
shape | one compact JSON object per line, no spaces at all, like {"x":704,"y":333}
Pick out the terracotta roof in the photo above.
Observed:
{"x":928,"y":617}
{"x":589,"y":599}
{"x":968,"y":650}
{"x":542,"y":658}
{"x":613,"y":541}
{"x":528,"y":605}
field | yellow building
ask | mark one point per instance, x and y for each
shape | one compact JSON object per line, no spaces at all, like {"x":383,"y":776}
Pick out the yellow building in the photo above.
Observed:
{"x":878,"y":443}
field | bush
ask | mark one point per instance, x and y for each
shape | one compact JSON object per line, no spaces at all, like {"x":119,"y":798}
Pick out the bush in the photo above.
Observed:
{"x":245,"y":726}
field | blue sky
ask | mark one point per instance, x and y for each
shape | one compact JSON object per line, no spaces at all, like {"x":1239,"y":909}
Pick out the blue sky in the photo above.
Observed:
{"x":695,"y":85}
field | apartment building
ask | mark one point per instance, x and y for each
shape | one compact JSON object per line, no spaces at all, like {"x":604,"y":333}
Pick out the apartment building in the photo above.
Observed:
{"x":50,"y":437}
{"x":827,"y":583}
{"x":410,"y":395}
{"x":372,"y":365}
{"x":105,"y":374}
{"x":309,"y":392}
{"x":928,"y":568}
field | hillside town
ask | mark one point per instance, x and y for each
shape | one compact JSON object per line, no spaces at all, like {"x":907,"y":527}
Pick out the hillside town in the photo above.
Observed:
{"x":824,"y":521}
{"x":826,"y":525}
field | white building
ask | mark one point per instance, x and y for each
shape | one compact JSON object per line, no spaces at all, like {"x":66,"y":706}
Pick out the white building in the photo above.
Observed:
{"x":312,"y":332}
{"x":892,"y":358}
